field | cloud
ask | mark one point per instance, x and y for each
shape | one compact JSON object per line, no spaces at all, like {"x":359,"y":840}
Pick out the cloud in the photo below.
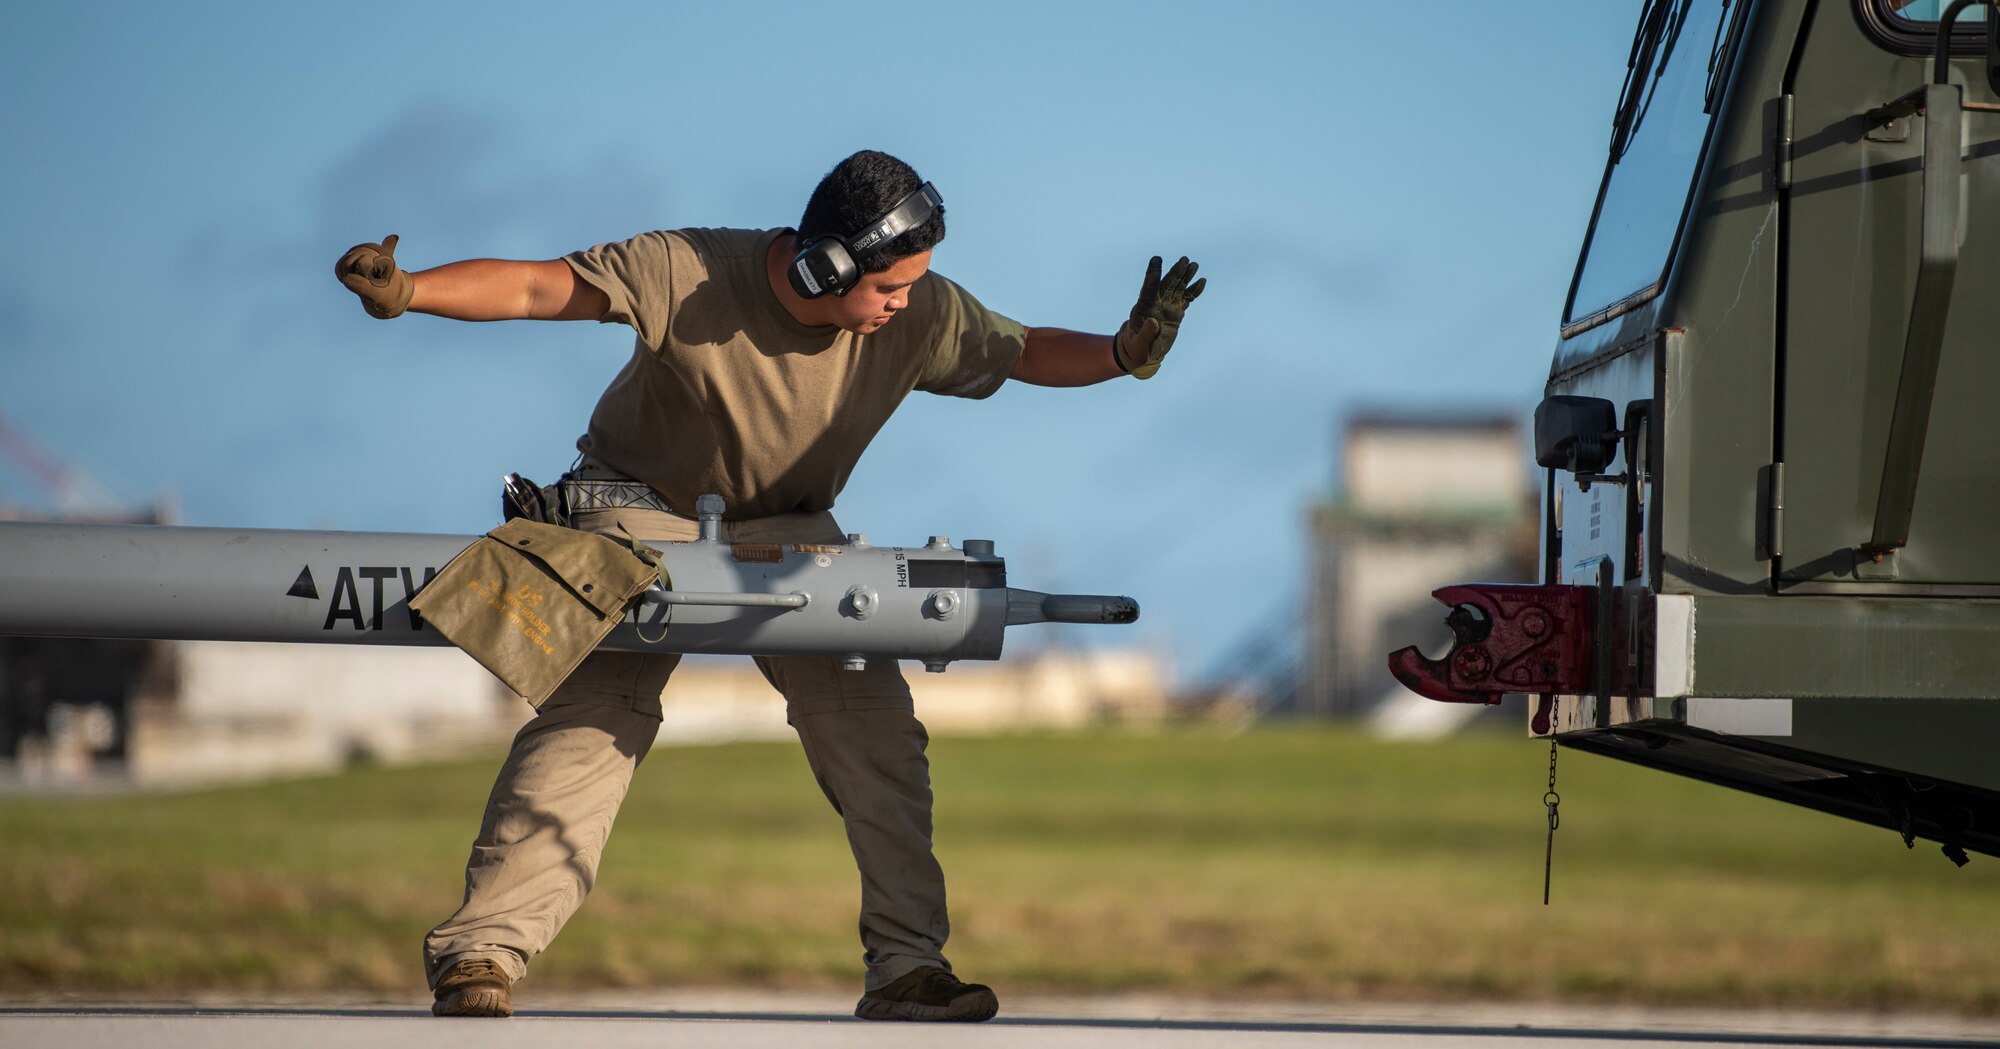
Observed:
{"x":455,"y":182}
{"x":283,"y":379}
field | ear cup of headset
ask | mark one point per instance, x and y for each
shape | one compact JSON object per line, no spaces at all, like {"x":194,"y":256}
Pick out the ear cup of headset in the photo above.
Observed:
{"x":824,"y":267}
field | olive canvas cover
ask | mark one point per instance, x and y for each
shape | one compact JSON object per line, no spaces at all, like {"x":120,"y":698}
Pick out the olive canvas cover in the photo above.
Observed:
{"x":530,"y":600}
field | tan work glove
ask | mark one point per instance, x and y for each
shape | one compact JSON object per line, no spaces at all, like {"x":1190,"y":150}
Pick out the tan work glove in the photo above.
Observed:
{"x":370,"y":271}
{"x":1145,"y":337}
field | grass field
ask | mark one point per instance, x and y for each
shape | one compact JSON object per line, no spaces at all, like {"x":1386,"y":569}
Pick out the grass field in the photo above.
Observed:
{"x":1295,"y":863}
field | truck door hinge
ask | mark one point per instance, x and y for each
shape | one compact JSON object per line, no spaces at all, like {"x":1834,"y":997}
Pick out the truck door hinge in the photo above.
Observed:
{"x":1774,"y":511}
{"x":1781,"y":145}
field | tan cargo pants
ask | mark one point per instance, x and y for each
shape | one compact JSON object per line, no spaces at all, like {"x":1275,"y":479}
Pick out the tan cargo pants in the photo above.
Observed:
{"x":551,"y":808}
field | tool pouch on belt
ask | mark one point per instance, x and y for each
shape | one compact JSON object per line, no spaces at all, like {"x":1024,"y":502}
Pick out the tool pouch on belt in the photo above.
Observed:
{"x":530,"y":600}
{"x":520,"y":497}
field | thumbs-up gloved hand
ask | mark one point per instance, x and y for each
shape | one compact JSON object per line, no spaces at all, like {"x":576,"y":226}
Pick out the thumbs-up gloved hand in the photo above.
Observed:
{"x":370,"y":271}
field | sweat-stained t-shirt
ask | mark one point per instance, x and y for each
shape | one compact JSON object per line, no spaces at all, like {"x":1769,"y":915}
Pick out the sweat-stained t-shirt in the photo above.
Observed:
{"x":728,"y":393}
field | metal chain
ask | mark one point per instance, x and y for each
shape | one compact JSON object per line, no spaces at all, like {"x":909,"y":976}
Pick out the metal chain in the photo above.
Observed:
{"x":1551,"y":801}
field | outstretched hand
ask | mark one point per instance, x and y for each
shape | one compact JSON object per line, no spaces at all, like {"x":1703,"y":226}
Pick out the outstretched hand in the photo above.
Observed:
{"x":370,"y":271}
{"x":1143,"y":340}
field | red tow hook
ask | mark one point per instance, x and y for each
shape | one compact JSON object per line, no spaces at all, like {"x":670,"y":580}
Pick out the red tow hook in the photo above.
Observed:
{"x":1505,"y":638}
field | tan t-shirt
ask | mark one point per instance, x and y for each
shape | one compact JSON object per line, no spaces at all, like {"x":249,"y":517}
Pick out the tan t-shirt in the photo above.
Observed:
{"x":727,"y":393}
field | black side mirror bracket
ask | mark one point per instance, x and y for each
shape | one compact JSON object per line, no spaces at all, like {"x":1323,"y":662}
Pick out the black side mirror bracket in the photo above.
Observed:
{"x":1577,"y":434}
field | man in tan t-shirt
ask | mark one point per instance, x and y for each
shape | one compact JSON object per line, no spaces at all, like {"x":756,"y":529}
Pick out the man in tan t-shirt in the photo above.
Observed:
{"x":764,"y":364}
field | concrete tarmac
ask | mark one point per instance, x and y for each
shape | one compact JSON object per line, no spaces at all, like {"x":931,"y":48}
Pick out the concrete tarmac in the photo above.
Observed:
{"x":746,"y":1020}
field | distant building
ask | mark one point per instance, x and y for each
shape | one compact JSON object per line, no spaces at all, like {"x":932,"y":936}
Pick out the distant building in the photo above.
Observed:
{"x":714,"y":698}
{"x":163,"y":713}
{"x":80,"y":693}
{"x":1427,"y":501}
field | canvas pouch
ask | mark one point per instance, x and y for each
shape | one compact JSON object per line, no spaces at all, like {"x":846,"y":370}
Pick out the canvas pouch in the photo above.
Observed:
{"x":529,"y":600}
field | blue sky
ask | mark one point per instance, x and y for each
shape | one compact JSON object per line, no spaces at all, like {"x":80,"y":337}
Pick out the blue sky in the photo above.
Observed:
{"x":1387,"y":199}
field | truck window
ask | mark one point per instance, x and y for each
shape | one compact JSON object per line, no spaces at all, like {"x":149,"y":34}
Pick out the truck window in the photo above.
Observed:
{"x":1909,"y":27}
{"x":1915,"y":10}
{"x":1661,"y":125}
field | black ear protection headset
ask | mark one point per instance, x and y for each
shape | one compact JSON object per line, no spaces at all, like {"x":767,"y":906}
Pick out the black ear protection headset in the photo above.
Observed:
{"x":826,"y":264}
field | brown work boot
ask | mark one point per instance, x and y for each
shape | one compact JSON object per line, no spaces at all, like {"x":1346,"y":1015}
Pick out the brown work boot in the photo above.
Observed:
{"x":474,"y":987}
{"x":929,"y":993}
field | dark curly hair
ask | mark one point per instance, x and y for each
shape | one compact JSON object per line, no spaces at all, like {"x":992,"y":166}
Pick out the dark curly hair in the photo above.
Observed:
{"x":860,"y":190}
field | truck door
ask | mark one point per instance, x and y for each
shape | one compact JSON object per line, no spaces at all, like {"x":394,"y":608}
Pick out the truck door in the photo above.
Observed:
{"x":1851,"y":226}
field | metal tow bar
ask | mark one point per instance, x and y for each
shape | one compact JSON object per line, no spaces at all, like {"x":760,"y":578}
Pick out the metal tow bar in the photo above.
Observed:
{"x":1506,"y":638}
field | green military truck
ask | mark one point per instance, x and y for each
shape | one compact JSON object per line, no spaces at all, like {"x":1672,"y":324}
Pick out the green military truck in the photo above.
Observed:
{"x":1771,"y":527}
